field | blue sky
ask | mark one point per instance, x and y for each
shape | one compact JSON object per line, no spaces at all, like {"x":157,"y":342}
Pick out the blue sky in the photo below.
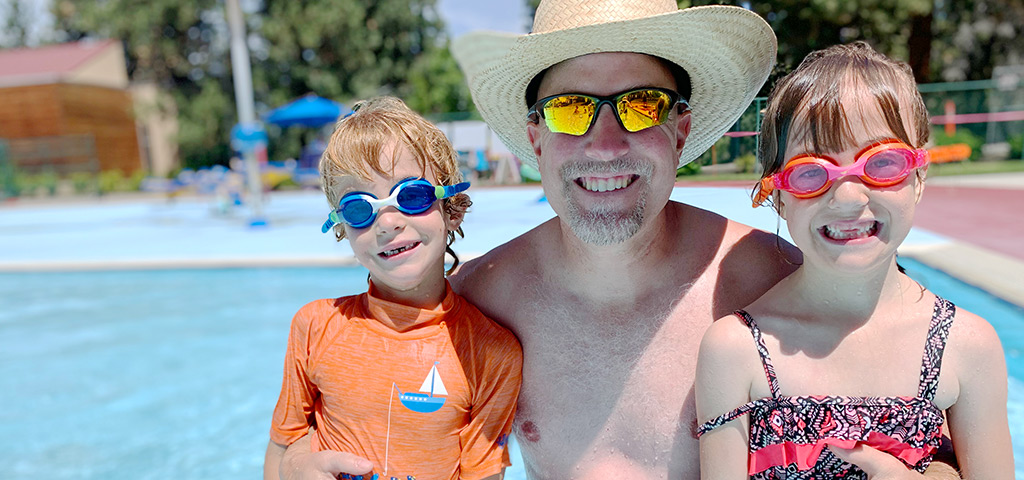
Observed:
{"x":461,"y":16}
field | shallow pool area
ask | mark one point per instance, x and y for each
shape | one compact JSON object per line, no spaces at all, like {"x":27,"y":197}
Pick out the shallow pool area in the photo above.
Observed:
{"x":174,"y":373}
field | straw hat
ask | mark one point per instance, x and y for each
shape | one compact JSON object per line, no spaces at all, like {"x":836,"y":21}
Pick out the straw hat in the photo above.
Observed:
{"x":727,"y":51}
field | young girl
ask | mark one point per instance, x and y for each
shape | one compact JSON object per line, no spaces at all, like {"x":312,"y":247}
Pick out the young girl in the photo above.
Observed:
{"x":848,"y":353}
{"x":407,"y":375}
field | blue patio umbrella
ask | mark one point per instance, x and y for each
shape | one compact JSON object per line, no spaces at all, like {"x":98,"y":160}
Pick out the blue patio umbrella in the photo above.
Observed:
{"x":310,"y":111}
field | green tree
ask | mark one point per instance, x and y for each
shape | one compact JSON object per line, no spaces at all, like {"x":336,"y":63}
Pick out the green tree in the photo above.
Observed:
{"x":179,"y":46}
{"x":353,"y":49}
{"x":17,"y":19}
{"x":339,"y":49}
{"x":974,"y":36}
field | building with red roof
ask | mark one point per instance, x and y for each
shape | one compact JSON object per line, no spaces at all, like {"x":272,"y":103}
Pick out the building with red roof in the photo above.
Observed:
{"x":69,"y":107}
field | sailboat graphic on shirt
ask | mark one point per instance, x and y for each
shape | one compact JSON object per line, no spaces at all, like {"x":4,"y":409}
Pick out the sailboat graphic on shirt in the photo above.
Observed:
{"x":427,"y":401}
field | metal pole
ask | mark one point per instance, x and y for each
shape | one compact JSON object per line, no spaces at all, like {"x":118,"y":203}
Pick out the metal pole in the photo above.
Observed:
{"x":241,"y":74}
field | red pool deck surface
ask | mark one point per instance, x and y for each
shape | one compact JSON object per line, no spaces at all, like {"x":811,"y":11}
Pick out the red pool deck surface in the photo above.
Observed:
{"x":990,"y":218}
{"x":984,"y":216}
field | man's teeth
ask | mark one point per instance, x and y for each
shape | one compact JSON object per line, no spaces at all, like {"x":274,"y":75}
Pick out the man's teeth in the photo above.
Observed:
{"x":606,"y":184}
{"x":388,"y":253}
{"x":849,"y":232}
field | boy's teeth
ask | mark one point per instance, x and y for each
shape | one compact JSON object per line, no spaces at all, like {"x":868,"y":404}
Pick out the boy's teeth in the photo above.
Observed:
{"x":847,"y":233}
{"x":606,"y":184}
{"x":388,"y":253}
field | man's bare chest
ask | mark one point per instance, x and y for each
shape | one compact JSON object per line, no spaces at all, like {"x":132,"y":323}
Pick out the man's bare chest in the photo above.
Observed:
{"x":602,"y":387}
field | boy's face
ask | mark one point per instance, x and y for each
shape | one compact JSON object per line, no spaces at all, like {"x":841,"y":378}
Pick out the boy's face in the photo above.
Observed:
{"x":404,"y":253}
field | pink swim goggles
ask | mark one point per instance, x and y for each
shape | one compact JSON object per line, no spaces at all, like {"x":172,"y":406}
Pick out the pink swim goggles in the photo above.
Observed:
{"x":882,"y":164}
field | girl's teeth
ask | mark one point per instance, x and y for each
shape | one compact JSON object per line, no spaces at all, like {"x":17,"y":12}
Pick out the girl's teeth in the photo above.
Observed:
{"x":848,"y":233}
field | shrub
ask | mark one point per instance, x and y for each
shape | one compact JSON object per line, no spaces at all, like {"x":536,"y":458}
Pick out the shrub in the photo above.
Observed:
{"x":692,"y":168}
{"x":962,"y":135}
{"x":745,"y":163}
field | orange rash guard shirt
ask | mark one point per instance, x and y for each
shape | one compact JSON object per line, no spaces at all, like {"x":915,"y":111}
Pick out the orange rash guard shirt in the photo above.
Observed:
{"x":366,"y":372}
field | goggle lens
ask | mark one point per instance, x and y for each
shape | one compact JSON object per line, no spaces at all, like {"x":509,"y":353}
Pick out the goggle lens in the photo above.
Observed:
{"x":636,"y":110}
{"x":416,"y":198}
{"x":889,"y":166}
{"x":807,"y":178}
{"x":356,"y":210}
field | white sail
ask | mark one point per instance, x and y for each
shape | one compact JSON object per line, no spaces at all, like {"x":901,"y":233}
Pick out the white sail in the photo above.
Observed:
{"x":433,"y":384}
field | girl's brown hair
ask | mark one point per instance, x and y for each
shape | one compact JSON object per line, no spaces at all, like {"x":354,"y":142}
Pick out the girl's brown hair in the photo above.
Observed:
{"x":360,"y":139}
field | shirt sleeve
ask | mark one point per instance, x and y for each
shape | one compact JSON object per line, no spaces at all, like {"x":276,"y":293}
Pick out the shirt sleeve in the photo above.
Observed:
{"x":496,"y":378}
{"x":294,"y":410}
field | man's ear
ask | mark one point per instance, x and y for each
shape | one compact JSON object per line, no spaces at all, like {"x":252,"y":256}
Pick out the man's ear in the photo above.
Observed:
{"x":533,"y":132}
{"x":683,"y":130}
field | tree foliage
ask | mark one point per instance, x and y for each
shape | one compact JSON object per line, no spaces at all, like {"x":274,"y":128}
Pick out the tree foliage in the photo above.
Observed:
{"x":16,"y":23}
{"x":339,"y":49}
{"x":942,"y":40}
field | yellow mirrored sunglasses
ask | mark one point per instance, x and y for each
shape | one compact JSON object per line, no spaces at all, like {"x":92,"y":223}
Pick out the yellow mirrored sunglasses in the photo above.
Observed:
{"x":635,"y":110}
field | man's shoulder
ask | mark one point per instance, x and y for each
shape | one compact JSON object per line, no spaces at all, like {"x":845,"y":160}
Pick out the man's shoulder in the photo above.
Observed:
{"x":509,"y":259}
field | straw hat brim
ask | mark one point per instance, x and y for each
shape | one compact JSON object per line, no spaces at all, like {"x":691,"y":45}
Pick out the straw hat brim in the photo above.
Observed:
{"x":727,"y":51}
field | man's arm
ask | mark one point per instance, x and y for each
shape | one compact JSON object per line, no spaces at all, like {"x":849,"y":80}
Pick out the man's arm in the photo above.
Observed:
{"x":272,"y":461}
{"x":883,"y":466}
{"x":298,"y":462}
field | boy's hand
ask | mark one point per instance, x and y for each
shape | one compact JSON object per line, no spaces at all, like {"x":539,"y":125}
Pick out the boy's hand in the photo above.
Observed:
{"x":299,"y":463}
{"x":882,"y":466}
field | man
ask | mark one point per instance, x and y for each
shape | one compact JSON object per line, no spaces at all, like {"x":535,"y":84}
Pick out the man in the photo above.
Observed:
{"x":610,"y":298}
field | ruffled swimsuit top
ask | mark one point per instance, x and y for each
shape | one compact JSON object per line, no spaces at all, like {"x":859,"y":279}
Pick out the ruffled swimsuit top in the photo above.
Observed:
{"x":788,"y":435}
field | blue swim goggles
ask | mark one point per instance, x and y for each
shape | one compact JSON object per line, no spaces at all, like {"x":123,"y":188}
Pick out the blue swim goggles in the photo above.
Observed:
{"x":410,"y":196}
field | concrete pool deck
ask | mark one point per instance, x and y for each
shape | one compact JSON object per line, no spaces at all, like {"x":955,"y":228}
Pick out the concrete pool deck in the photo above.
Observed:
{"x":969,"y":227}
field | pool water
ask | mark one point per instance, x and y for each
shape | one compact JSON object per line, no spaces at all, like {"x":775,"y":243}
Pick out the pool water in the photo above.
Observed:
{"x":174,"y":374}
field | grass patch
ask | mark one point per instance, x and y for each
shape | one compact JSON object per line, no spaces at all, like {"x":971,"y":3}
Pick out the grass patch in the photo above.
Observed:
{"x":975,"y":168}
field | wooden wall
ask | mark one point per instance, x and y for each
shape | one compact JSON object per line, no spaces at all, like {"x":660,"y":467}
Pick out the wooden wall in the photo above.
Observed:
{"x":65,"y":109}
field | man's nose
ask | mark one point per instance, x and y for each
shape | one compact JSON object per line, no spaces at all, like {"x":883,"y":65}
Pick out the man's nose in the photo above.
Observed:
{"x":607,"y":140}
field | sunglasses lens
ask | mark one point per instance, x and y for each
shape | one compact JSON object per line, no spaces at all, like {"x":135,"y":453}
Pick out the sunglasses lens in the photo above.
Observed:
{"x":416,"y":198}
{"x":356,"y":211}
{"x":807,"y":177}
{"x":888,"y":166}
{"x":642,"y":109}
{"x":569,"y":114}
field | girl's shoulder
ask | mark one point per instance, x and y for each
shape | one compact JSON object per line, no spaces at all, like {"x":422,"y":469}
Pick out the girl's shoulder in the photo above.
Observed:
{"x":971,"y":337}
{"x":729,"y":344}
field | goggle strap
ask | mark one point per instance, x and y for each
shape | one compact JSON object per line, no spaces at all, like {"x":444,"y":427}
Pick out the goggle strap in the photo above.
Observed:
{"x":445,"y":191}
{"x":767,"y":186}
{"x":332,"y":220}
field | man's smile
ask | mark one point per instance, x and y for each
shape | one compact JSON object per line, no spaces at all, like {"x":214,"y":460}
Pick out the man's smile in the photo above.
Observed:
{"x":606,"y":184}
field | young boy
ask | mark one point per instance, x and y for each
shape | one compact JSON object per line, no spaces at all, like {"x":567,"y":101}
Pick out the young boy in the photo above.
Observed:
{"x":408,"y":375}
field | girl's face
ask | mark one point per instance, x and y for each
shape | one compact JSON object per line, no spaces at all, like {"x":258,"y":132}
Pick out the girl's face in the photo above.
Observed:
{"x":404,"y":253}
{"x":852,"y":227}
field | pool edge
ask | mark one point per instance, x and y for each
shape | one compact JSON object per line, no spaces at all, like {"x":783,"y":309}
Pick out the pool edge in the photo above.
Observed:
{"x":996,"y":273}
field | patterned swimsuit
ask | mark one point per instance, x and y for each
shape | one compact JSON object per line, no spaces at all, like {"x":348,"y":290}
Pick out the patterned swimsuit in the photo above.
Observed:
{"x":788,"y":435}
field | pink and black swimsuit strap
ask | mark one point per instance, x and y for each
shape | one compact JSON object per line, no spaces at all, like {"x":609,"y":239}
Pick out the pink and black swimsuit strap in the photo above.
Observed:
{"x":938,"y":332}
{"x":762,"y":351}
{"x":769,"y":371}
